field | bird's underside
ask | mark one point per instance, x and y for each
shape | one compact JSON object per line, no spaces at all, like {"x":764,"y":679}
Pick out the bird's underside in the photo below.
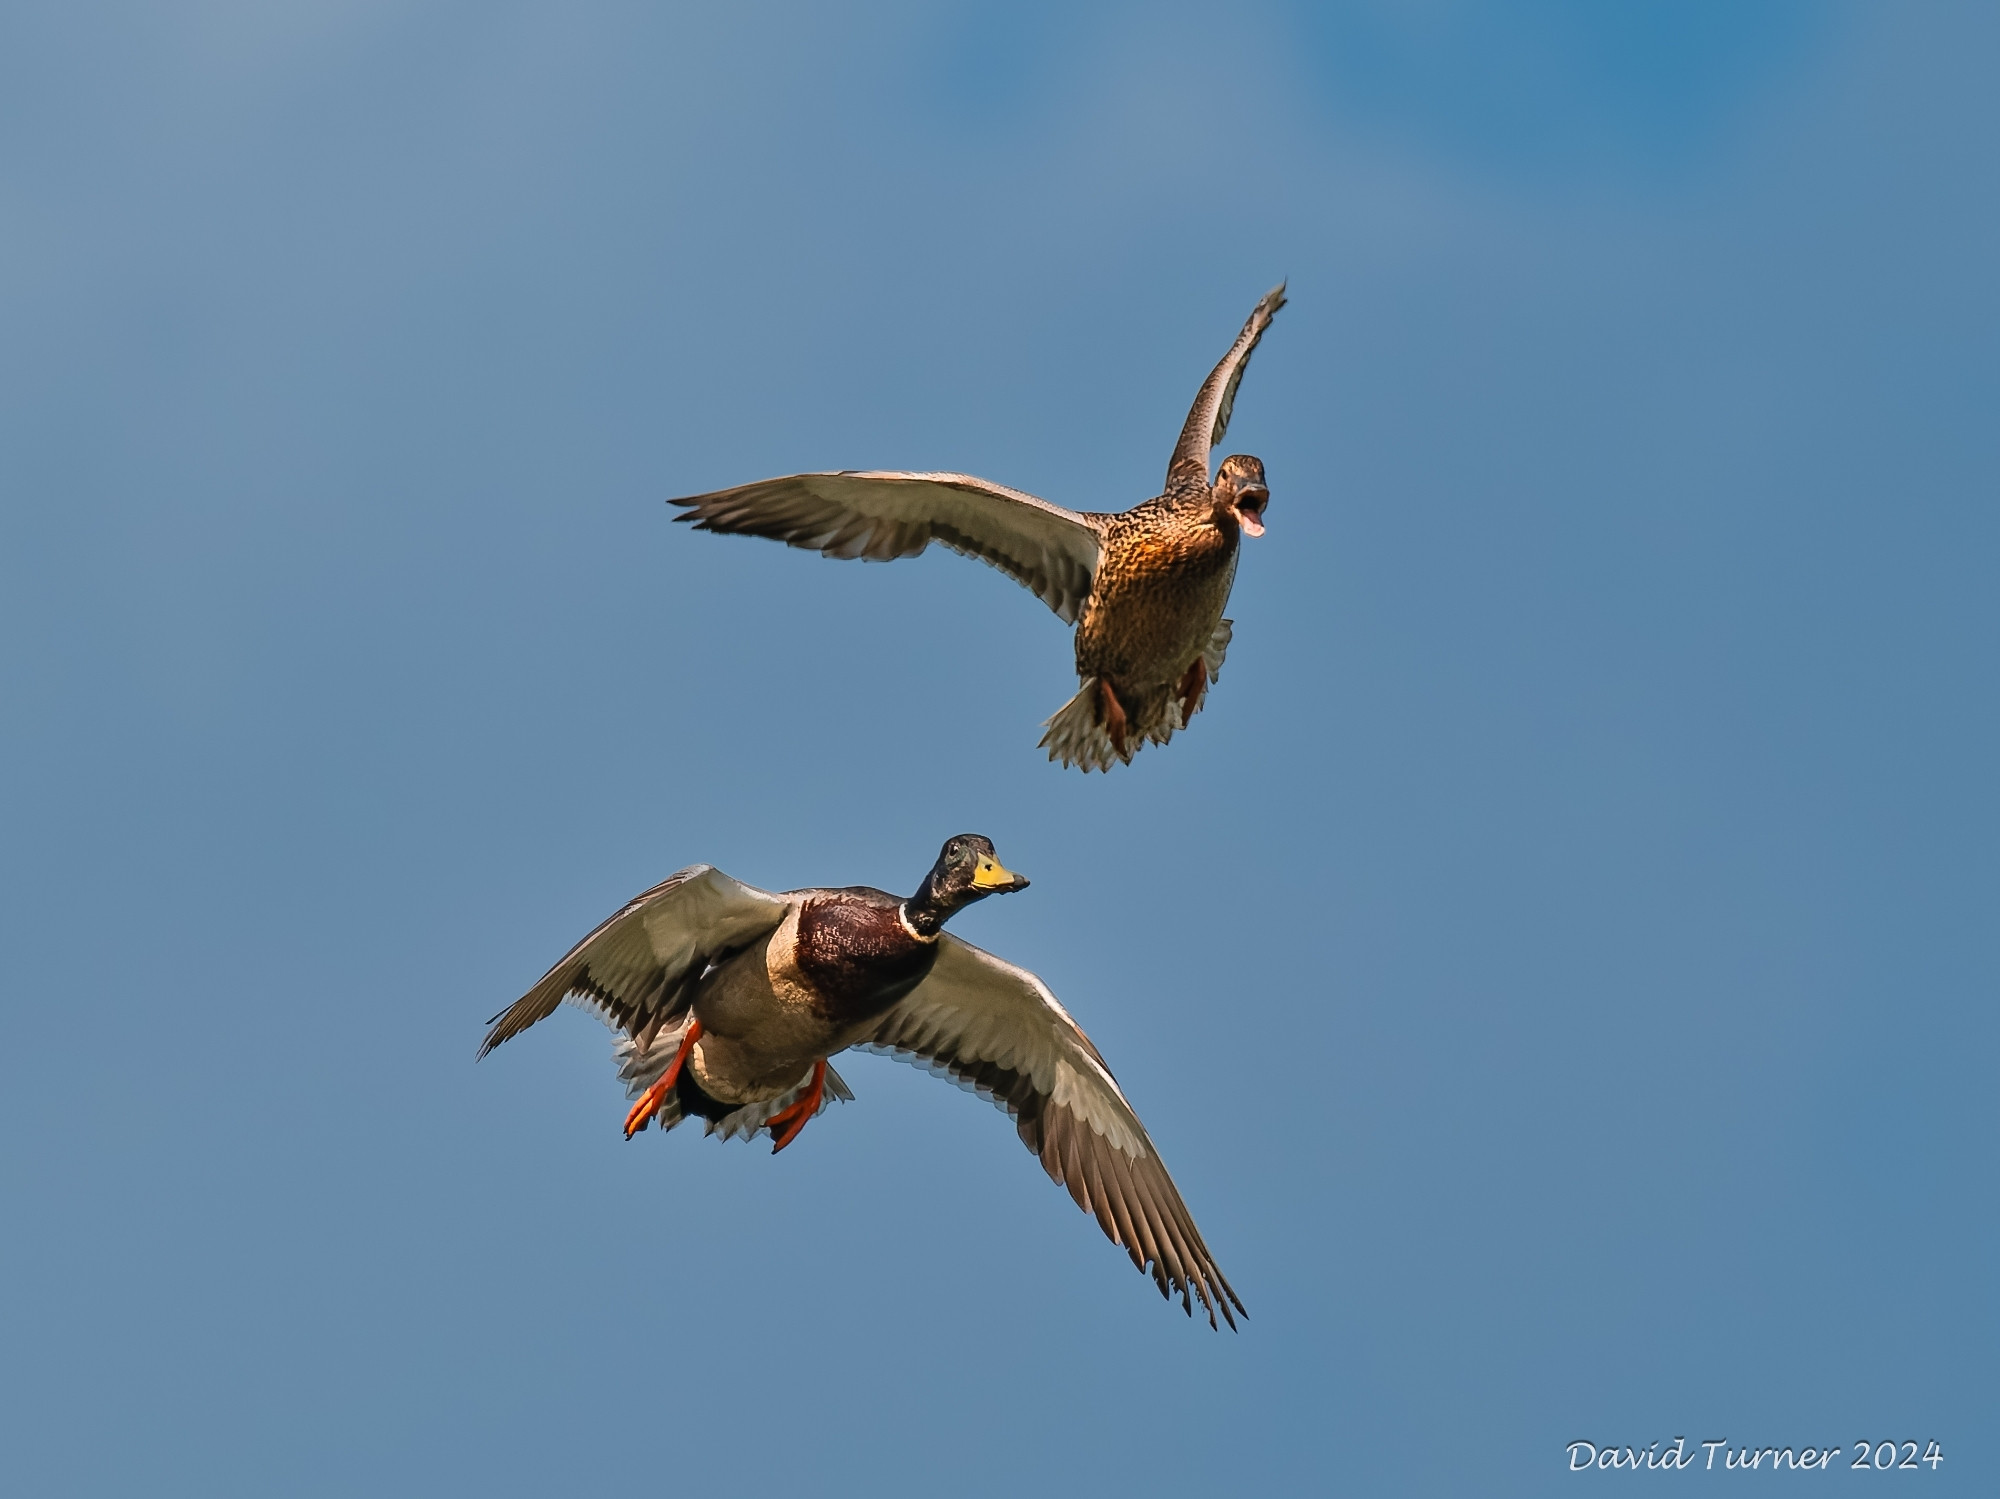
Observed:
{"x":1153,"y":638}
{"x":1114,"y":715}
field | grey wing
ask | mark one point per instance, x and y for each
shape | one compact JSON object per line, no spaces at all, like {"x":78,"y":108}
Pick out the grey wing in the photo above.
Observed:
{"x":998,"y":1030}
{"x":637,"y":966}
{"x":881,"y":516}
{"x":1208,"y":419}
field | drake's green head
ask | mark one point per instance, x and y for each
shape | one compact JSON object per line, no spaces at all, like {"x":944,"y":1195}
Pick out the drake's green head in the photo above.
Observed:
{"x":967,"y":870}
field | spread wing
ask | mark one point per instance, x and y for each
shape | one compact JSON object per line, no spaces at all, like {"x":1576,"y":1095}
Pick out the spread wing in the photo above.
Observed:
{"x":637,"y":966}
{"x":1209,"y":417}
{"x":881,"y":516}
{"x":998,"y":1030}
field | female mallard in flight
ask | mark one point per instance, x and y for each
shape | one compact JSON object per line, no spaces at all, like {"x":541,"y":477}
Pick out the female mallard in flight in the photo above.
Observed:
{"x":731,"y":1000}
{"x":1148,"y":584}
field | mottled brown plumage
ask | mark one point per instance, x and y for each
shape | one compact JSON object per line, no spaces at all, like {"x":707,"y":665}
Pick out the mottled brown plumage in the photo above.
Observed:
{"x":1146,"y":586}
{"x":1155,"y":613}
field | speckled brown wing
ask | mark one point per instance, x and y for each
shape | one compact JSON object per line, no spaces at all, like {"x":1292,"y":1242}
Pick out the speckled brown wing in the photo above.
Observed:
{"x":996,"y":1029}
{"x":1208,"y":419}
{"x":881,"y":516}
{"x":636,"y":967}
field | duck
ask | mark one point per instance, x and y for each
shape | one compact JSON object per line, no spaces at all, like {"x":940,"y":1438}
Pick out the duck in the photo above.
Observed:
{"x":730,"y":1002}
{"x":1145,"y":587}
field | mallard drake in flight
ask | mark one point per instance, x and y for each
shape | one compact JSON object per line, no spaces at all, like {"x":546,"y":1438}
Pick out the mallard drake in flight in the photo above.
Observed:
{"x":1146,"y":587}
{"x":731,"y":1000}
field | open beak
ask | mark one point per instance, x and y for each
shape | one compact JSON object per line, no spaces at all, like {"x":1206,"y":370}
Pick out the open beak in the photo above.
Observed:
{"x":991,"y":876}
{"x":1249,"y":508}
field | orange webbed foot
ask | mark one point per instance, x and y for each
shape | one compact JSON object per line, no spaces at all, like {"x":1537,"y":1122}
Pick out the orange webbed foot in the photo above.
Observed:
{"x":650,"y":1101}
{"x":788,"y":1121}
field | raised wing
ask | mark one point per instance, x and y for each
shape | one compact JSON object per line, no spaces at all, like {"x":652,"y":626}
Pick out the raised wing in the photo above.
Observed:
{"x":637,"y":966}
{"x":881,"y":516}
{"x":998,"y":1030}
{"x":1209,"y":417}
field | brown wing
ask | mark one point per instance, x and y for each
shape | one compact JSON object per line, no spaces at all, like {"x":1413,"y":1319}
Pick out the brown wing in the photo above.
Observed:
{"x":1209,"y":417}
{"x":636,"y":966}
{"x":881,"y":516}
{"x":997,"y":1029}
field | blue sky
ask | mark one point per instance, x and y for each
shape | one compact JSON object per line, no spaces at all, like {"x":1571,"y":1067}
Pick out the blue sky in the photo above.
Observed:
{"x":1558,"y":968}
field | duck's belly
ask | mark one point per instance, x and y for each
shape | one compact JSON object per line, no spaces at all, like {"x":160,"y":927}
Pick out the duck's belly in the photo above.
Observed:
{"x":1153,"y":612}
{"x":760,"y":1032}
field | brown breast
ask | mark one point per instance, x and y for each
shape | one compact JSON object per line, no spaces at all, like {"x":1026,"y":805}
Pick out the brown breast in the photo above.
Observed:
{"x":1163,"y":578}
{"x":857,"y":956}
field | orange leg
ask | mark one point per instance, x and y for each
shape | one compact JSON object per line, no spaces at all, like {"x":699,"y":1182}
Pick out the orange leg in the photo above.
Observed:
{"x":650,"y":1101}
{"x":1113,"y":713}
{"x":793,"y":1116}
{"x":1194,"y":687}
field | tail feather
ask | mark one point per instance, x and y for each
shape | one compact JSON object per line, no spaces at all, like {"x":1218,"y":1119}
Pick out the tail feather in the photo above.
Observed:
{"x":1075,"y":734}
{"x":755,"y":1118}
{"x":1217,"y":648}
